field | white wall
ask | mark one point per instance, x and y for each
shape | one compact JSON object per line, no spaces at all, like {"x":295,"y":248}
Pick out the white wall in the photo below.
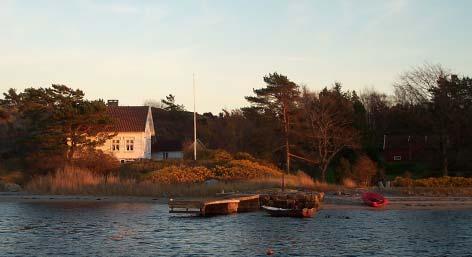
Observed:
{"x":141,"y":147}
{"x":142,"y":142}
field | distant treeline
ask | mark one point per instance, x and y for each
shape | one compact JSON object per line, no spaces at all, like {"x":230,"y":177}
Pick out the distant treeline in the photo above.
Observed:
{"x":331,"y":129}
{"x":331,"y":133}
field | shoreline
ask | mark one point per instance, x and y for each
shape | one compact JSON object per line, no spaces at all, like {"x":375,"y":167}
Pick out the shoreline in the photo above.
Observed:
{"x":331,"y":202}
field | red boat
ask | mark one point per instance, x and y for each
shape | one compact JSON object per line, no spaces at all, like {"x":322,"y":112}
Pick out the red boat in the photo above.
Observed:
{"x":374,"y":200}
{"x":297,"y":213}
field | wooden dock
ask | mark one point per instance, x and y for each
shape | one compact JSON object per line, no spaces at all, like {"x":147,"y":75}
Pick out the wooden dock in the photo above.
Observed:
{"x":235,"y":203}
{"x":227,"y":205}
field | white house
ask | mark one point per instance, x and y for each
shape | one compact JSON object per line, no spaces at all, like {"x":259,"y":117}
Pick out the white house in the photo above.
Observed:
{"x":134,"y":129}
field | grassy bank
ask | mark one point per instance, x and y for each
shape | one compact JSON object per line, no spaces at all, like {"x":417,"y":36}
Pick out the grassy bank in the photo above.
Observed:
{"x":76,"y":181}
{"x":440,"y":186}
{"x":455,"y":182}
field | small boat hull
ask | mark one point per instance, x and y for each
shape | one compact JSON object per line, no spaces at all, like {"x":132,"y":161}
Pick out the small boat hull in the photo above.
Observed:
{"x":296,"y":213}
{"x":374,"y":200}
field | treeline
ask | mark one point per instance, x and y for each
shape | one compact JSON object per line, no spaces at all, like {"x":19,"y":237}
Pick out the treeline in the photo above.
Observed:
{"x":337,"y":133}
{"x":332,"y":133}
{"x":42,"y":129}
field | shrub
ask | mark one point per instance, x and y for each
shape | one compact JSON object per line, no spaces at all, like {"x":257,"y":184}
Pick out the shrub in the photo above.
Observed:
{"x":364,"y":169}
{"x":244,"y":156}
{"x":343,"y":170}
{"x":222,"y":156}
{"x":349,"y":183}
{"x":15,"y":177}
{"x":180,"y":174}
{"x":245,"y":169}
{"x":42,"y":163}
{"x":230,"y":170}
{"x":136,"y":168}
{"x":96,"y":161}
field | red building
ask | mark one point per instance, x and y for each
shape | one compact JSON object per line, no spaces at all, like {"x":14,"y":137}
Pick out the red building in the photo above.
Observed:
{"x":406,"y":148}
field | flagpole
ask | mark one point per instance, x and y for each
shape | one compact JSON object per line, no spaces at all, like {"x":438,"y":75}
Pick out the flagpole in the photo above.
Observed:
{"x":194,"y":122}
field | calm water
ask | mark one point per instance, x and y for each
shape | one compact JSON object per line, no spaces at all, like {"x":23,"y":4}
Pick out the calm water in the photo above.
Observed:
{"x":147,"y":229}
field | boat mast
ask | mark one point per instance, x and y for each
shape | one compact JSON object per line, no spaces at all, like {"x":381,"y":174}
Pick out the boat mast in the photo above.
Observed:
{"x":194,"y":122}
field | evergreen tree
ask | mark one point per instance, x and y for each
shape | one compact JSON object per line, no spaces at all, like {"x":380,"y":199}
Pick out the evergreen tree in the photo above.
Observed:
{"x":170,"y":105}
{"x":51,"y":124}
{"x":279,"y":97}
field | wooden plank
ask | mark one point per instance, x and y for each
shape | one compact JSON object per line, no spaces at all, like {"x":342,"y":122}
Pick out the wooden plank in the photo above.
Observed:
{"x":197,"y":206}
{"x":226,"y":201}
{"x":217,"y":206}
{"x":246,"y":197}
{"x":184,"y":211}
{"x":185,"y":204}
{"x":220,"y":208}
{"x":185,"y":201}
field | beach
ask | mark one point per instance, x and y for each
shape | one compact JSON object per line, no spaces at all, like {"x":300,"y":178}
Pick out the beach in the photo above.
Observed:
{"x":331,"y":201}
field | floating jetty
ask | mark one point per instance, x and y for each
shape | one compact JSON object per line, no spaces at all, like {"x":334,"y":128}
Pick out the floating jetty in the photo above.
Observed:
{"x":228,"y":205}
{"x":238,"y":203}
{"x":294,"y":200}
{"x":298,"y":204}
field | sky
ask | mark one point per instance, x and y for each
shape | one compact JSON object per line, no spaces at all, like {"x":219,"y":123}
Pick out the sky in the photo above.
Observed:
{"x":138,"y":50}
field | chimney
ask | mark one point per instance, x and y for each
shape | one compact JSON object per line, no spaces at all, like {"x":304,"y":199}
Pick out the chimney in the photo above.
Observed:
{"x":112,"y":102}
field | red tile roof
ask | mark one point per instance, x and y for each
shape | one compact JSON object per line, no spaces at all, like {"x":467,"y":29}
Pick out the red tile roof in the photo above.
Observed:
{"x":128,"y":118}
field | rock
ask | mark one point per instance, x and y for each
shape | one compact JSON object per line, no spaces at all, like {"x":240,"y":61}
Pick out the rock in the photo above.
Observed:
{"x":211,"y":182}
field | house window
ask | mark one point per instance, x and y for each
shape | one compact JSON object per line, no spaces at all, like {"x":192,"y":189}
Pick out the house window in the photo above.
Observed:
{"x":130,"y":144}
{"x":397,"y":158}
{"x":115,"y":145}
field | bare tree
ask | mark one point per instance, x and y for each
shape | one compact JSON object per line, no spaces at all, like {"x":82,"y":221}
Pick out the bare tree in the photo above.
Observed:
{"x":413,"y":87}
{"x":327,"y":125}
{"x":375,"y":104}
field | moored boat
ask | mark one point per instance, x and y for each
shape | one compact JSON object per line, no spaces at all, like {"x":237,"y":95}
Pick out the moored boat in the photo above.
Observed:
{"x":374,"y":199}
{"x":297,"y":213}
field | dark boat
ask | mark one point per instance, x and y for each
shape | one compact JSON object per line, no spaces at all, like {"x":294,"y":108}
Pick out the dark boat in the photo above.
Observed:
{"x":374,"y":200}
{"x":297,"y":213}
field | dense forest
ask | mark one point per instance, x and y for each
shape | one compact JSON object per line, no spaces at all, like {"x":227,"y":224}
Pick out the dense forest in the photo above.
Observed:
{"x":330,"y":133}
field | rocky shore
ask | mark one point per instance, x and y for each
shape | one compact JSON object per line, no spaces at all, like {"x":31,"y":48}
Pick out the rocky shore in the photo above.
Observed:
{"x":331,"y":201}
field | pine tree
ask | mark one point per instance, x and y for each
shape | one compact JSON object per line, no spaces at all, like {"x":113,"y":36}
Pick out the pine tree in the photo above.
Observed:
{"x":280,"y":97}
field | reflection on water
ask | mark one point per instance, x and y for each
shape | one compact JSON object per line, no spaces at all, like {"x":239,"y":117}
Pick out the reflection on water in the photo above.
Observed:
{"x":147,"y":229}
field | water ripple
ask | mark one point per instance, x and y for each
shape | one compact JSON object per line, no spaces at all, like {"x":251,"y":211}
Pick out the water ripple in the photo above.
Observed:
{"x":146,"y":229}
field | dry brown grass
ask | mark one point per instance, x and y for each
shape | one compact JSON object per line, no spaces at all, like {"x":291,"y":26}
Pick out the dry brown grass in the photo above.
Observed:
{"x":349,"y":183}
{"x":16,"y":177}
{"x":72,"y":180}
{"x":431,"y":191}
{"x":441,"y":186}
{"x":434,"y":182}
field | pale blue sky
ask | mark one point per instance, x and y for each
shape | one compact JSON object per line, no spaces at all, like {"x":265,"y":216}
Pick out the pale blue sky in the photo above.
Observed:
{"x":136,"y":50}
